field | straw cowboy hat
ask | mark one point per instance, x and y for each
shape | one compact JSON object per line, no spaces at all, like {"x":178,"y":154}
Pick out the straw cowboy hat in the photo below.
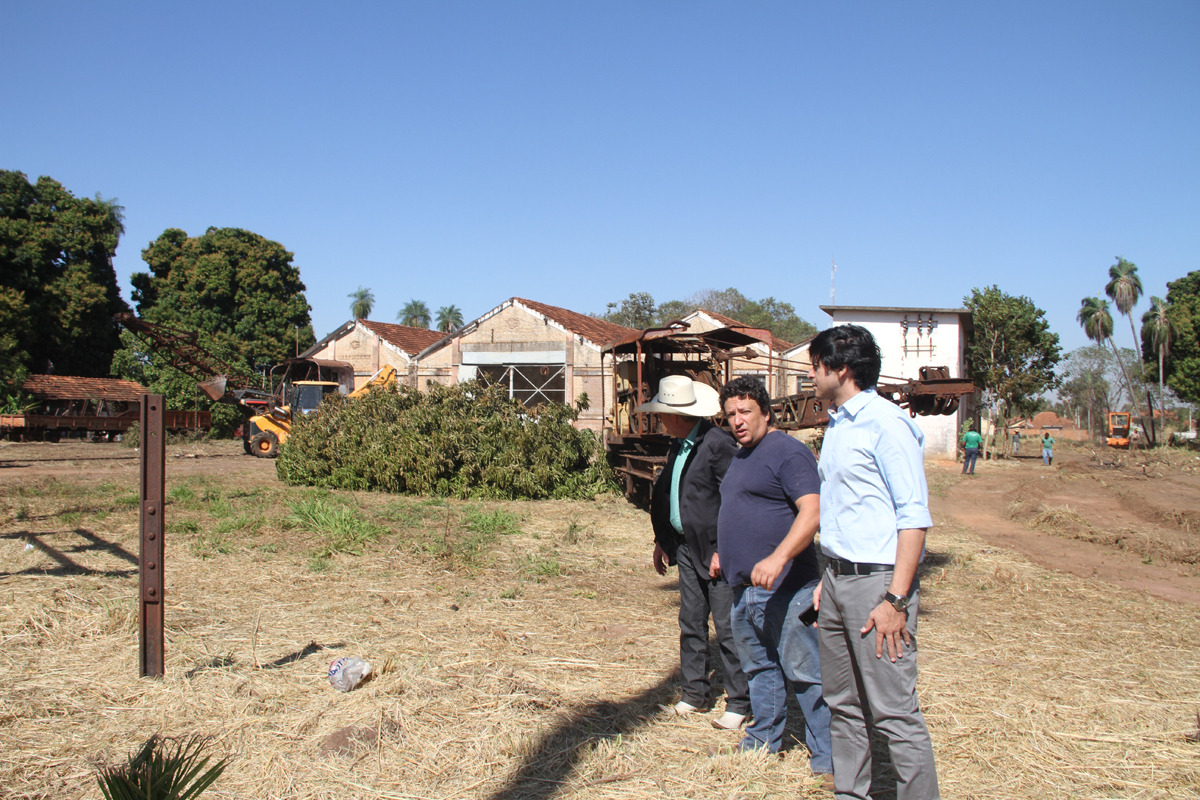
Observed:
{"x":679,"y":394}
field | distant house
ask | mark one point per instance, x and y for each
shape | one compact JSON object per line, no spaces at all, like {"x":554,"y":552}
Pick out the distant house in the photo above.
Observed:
{"x":911,"y":338}
{"x":540,"y":353}
{"x":367,"y":346}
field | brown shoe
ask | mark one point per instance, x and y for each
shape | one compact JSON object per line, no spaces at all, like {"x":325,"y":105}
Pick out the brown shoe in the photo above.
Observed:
{"x":824,"y":780}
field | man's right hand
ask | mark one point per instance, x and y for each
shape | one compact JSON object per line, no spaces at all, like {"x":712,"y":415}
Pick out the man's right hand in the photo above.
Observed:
{"x":660,"y":560}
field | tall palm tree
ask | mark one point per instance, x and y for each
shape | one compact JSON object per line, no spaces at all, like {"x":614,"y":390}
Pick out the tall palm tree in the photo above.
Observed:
{"x":361,"y":303}
{"x":415,"y":314}
{"x":1097,"y":323}
{"x":449,"y":318}
{"x":1157,"y":324}
{"x":1125,"y":289}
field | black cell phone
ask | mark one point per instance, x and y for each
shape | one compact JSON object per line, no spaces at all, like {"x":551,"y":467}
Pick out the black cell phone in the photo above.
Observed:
{"x":808,"y":617}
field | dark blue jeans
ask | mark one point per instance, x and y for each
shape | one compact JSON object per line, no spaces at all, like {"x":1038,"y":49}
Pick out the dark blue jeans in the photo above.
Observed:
{"x":778,"y":649}
{"x":970,"y":455}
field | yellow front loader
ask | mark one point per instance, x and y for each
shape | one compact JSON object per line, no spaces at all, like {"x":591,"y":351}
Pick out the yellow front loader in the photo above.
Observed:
{"x":269,"y":430}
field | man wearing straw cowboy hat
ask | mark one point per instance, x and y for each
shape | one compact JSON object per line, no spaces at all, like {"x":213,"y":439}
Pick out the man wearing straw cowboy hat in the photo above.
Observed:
{"x":683,"y":511}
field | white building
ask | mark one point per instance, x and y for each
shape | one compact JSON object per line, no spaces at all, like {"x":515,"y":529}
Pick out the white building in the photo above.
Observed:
{"x":911,"y":338}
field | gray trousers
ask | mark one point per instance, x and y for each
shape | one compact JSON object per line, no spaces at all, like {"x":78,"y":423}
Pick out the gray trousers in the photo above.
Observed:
{"x":700,"y":596}
{"x":865,"y":692}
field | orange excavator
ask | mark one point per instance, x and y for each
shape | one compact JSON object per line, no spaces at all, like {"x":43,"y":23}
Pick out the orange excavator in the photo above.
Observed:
{"x":1118,"y":430}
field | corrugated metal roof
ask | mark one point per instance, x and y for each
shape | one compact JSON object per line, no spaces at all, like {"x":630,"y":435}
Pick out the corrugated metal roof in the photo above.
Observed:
{"x":410,"y":340}
{"x":600,"y":331}
{"x":67,"y":387}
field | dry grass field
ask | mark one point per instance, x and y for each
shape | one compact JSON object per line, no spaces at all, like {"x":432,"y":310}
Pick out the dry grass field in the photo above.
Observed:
{"x":525,"y":650}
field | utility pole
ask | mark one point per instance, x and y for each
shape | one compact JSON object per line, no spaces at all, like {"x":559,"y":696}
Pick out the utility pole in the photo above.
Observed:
{"x":833,"y":283}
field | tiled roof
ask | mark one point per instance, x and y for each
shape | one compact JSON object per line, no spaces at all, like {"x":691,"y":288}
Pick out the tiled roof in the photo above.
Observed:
{"x":410,"y":340}
{"x":777,"y":344}
{"x":66,"y":387}
{"x":600,"y":331}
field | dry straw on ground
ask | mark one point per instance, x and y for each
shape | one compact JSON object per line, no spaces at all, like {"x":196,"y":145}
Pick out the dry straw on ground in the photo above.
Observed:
{"x":537,"y":672}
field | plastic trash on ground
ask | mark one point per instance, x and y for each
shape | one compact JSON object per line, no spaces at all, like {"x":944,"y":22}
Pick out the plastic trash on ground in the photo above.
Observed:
{"x":347,"y":672}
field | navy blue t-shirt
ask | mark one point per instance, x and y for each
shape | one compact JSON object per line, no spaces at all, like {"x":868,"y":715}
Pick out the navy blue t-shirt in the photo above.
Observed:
{"x":758,"y":506}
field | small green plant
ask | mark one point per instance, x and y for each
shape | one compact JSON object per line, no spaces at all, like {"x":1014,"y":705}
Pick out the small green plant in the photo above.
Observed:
{"x":541,"y":566}
{"x":162,"y":770}
{"x":494,"y":522}
{"x":127,"y":500}
{"x":210,"y":543}
{"x":576,"y":530}
{"x":511,"y":593}
{"x":183,"y":495}
{"x":340,"y":527}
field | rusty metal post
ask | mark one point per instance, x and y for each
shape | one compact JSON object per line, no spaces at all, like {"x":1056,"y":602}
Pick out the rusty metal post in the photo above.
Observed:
{"x":150,"y":574}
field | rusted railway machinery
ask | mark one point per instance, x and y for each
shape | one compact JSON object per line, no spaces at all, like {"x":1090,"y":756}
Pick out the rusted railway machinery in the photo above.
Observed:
{"x":637,"y":446}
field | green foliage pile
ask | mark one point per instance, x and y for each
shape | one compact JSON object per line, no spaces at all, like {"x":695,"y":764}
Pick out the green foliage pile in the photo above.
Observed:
{"x":459,"y":441}
{"x":58,"y":288}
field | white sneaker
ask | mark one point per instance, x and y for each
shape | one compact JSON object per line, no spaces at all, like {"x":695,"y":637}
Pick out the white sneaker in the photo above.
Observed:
{"x":729,"y":721}
{"x":683,"y":708}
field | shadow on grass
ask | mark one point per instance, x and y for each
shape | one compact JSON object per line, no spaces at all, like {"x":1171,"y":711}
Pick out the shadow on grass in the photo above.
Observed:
{"x":68,"y":566}
{"x":556,"y":755}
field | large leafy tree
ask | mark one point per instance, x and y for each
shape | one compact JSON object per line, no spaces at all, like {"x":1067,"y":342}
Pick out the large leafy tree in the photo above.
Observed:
{"x":237,"y":290}
{"x":415,"y":314}
{"x":636,"y":311}
{"x":1181,"y":363}
{"x":361,"y":303}
{"x":58,"y":288}
{"x":1012,"y":352}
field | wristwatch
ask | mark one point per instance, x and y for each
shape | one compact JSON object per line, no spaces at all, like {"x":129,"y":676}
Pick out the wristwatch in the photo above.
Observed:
{"x":898,"y":601}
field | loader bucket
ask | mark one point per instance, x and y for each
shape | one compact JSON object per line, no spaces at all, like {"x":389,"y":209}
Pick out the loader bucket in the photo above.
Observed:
{"x":214,"y":387}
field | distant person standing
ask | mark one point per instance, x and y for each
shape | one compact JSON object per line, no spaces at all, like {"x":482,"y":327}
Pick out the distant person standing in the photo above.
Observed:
{"x":1016,"y":442}
{"x":972,"y":446}
{"x":1047,"y":449}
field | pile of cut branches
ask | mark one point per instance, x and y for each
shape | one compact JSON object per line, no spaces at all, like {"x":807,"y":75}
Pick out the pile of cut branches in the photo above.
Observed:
{"x":453,"y":441}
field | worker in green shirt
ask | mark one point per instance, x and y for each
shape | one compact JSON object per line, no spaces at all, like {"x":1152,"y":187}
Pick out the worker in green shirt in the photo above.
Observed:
{"x":1047,"y":449}
{"x":972,"y":445}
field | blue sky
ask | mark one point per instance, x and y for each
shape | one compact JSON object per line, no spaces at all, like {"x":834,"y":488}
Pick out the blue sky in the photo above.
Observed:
{"x":574,"y":152}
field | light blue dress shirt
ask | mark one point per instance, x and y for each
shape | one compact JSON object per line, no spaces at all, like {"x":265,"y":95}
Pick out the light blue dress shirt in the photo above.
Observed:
{"x":685,"y":449}
{"x":872,"y":470}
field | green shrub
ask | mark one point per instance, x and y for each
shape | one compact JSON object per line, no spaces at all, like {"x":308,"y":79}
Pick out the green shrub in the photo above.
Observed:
{"x":460,"y":441}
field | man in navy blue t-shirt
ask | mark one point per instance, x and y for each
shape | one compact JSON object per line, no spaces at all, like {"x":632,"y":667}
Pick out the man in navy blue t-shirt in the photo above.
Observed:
{"x":770,"y":509}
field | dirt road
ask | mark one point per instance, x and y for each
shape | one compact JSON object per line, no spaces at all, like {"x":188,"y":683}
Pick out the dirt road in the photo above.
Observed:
{"x":1127,"y":519}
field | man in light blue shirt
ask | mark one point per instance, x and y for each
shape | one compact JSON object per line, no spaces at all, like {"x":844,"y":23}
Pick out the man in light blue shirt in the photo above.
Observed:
{"x":874,"y":515}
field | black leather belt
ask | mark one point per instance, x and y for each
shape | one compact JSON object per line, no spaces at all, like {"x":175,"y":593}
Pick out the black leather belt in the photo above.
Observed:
{"x":840,"y":566}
